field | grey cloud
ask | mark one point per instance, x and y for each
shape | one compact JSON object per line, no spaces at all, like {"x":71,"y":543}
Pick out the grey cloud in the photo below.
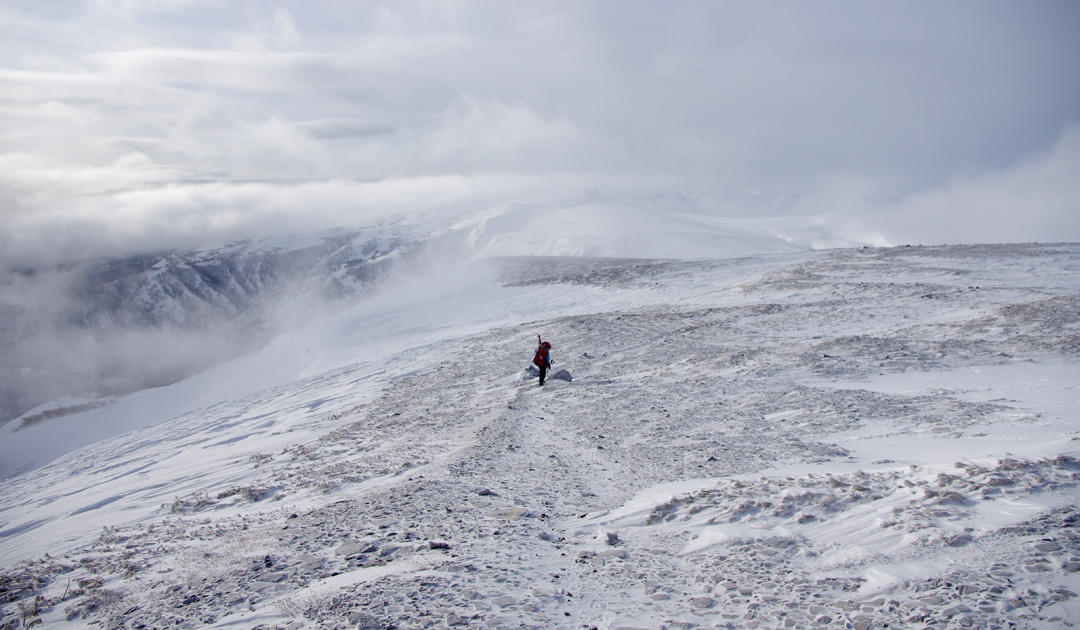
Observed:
{"x":337,"y":128}
{"x":122,"y":119}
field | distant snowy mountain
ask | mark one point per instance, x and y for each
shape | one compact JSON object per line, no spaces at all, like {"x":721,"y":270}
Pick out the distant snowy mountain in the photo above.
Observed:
{"x":244,"y":280}
{"x":153,"y":323}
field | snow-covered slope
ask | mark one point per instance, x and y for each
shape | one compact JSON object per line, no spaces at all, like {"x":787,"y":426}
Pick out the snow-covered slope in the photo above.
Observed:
{"x":873,"y":436}
{"x":146,"y":321}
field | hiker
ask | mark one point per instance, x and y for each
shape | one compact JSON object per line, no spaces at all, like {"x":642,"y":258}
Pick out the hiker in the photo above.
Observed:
{"x":542,"y":358}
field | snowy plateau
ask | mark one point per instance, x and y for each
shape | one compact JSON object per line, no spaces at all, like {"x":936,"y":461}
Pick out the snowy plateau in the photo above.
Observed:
{"x":786,"y":437}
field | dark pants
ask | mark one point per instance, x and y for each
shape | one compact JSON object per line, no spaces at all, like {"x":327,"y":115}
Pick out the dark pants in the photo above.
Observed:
{"x":543,"y":373}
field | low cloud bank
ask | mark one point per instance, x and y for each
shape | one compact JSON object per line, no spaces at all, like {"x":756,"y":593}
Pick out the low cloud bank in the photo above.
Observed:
{"x":1035,"y":199}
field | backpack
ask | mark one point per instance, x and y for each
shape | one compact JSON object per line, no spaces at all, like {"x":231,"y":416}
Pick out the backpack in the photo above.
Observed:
{"x":541,"y":358}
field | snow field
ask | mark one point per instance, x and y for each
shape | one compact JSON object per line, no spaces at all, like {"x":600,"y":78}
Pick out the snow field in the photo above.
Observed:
{"x":729,"y":454}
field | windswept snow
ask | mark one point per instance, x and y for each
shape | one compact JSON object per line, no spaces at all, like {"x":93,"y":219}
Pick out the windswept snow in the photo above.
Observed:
{"x":847,"y":439}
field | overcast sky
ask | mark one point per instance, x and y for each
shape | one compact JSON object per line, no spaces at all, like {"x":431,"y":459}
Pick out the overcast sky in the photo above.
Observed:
{"x":128,"y":125}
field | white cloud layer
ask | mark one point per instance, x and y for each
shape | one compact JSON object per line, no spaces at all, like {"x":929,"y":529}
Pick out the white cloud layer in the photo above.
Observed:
{"x":1036,"y":199}
{"x":128,"y":125}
